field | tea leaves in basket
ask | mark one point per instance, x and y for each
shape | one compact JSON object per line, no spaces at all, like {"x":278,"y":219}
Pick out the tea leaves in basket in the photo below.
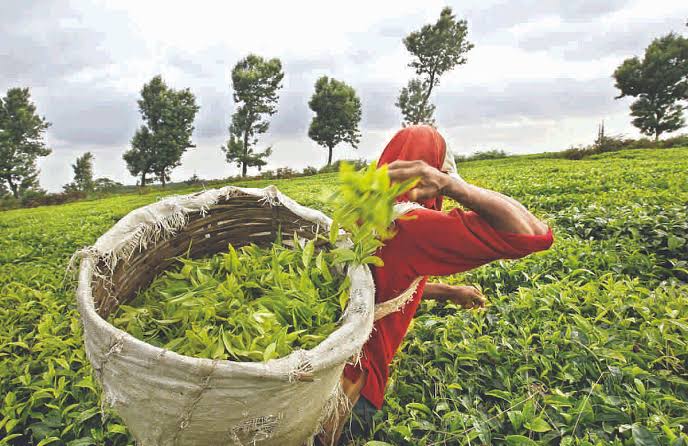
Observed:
{"x":261,"y":303}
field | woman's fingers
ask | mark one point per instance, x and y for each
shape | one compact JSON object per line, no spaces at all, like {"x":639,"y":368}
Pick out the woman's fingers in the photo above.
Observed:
{"x":430,"y":181}
{"x":470,"y":297}
{"x":478,"y":299}
{"x":401,"y":173}
{"x":421,"y":192}
{"x":403,"y":170}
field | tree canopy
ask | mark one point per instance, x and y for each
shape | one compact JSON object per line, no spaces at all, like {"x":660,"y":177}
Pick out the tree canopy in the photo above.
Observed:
{"x":83,"y":174}
{"x":436,"y":48}
{"x":413,"y":103}
{"x":21,"y":141}
{"x":158,"y":145}
{"x":337,"y":114}
{"x":659,"y":81}
{"x":256,"y":82}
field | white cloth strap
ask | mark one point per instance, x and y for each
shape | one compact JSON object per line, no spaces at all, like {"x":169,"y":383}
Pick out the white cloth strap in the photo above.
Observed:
{"x":398,"y":303}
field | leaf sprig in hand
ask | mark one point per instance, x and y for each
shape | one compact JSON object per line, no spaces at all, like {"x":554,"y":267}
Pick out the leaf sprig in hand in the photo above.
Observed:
{"x":364,"y":208}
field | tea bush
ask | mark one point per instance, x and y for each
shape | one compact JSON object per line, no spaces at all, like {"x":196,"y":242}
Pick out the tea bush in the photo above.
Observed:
{"x":584,"y":344}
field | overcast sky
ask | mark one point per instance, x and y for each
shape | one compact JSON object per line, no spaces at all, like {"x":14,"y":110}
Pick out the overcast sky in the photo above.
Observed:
{"x":539,"y":77}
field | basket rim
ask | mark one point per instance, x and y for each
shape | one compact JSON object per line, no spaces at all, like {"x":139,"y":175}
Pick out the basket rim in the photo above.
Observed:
{"x":355,"y":326}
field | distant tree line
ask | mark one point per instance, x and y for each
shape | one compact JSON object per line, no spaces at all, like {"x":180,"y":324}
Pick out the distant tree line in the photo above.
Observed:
{"x":658,"y":81}
{"x":605,"y":143}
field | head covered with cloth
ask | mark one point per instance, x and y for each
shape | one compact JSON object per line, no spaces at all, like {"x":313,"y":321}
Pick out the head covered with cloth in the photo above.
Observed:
{"x":420,"y":143}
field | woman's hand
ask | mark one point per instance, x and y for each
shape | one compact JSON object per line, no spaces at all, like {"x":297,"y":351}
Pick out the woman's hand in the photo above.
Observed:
{"x":466,"y":296}
{"x":432,"y":181}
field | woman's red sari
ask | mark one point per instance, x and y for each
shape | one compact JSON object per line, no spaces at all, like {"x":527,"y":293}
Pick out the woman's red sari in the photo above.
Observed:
{"x":433,"y":243}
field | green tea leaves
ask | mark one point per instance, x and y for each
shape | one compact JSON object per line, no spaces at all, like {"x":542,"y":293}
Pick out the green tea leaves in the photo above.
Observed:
{"x":251,"y":304}
{"x":538,"y":425}
{"x":364,"y":208}
{"x":307,"y":253}
{"x":619,"y":220}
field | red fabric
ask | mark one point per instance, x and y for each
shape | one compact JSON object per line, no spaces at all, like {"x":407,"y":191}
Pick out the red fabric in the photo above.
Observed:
{"x":417,"y":142}
{"x":434,"y":243}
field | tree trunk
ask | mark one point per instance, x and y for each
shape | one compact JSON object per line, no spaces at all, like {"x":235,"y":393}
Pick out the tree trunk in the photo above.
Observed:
{"x":427,"y":95}
{"x":14,"y":188}
{"x":658,"y":118}
{"x":143,"y":179}
{"x":329,"y":158}
{"x":162,"y":178}
{"x":243,"y":163}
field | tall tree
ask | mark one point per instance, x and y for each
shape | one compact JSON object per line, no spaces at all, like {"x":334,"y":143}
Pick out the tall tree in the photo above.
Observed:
{"x":659,"y":82}
{"x":21,"y":141}
{"x":158,"y":145}
{"x":337,"y":115}
{"x":413,"y":103}
{"x":436,"y":49}
{"x":255,"y":82}
{"x":83,"y":174}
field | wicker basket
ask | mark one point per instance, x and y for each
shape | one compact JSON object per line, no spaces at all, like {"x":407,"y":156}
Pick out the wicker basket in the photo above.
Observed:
{"x":169,"y":399}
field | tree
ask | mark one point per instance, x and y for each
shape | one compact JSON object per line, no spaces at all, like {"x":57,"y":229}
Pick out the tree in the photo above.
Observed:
{"x":140,"y":157}
{"x":255,"y":82}
{"x":436,"y":49}
{"x":659,"y":82}
{"x":104,"y":184}
{"x":83,"y":174}
{"x":337,"y":114}
{"x":413,"y":104}
{"x":21,"y":141}
{"x":158,"y":145}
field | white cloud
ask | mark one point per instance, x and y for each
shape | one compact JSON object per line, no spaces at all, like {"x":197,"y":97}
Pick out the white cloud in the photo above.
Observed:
{"x":539,"y":77}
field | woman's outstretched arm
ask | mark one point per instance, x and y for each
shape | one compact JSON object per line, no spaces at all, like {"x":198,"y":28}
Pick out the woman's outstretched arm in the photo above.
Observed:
{"x":499,"y":211}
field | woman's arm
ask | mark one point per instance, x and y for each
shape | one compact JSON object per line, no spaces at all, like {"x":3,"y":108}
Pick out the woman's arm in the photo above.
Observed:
{"x":501,"y":212}
{"x":465,"y":296}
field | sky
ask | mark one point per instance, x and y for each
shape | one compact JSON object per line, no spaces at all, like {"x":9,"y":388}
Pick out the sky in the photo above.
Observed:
{"x":538,"y":78}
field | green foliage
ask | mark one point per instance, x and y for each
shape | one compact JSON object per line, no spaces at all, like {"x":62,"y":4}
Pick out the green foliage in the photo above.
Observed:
{"x":436,"y":48}
{"x":193,"y":180}
{"x":140,"y":157}
{"x":158,"y":145}
{"x":337,"y":114}
{"x":608,"y":297}
{"x":21,"y":141}
{"x":659,"y":82}
{"x":104,"y":184}
{"x":482,"y":155}
{"x":558,"y":362}
{"x":83,"y":174}
{"x":357,"y":164}
{"x":606,"y":144}
{"x":255,"y":81}
{"x":413,"y":103}
{"x":364,"y":208}
{"x":253,"y":304}
{"x":309,"y":170}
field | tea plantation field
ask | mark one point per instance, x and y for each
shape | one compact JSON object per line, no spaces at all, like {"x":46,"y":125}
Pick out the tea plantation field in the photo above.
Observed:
{"x":585,"y":344}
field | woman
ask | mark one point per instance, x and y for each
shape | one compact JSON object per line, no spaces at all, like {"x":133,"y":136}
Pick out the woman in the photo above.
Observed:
{"x":432,"y":243}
